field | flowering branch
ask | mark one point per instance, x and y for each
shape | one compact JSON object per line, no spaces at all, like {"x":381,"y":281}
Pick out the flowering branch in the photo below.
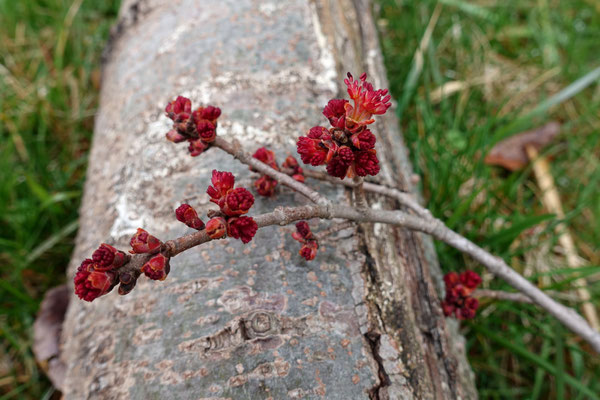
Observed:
{"x":347,"y":149}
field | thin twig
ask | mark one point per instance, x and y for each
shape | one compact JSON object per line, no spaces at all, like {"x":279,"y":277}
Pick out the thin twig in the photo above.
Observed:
{"x":501,"y":295}
{"x":333,"y":229}
{"x":402,"y":197}
{"x":519,"y":297}
{"x":359,"y":192}
{"x":434,"y":227}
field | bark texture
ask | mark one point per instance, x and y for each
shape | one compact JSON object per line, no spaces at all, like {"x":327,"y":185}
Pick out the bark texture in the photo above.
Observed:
{"x":253,"y":321}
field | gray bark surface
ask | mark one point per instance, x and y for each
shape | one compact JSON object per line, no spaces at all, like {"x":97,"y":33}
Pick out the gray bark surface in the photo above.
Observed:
{"x":253,"y":321}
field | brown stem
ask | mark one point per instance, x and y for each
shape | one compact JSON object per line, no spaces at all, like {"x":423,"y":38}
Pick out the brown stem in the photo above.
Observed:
{"x":333,"y":229}
{"x":359,"y":192}
{"x":432,"y":226}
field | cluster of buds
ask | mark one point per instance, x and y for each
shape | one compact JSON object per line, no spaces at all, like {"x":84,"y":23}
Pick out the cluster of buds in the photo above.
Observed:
{"x":199,"y":127}
{"x":265,"y":185}
{"x":458,"y":300}
{"x":98,"y":275}
{"x":295,"y":170}
{"x":157,"y":267}
{"x":309,"y":241}
{"x":348,"y":147}
{"x":233,"y":203}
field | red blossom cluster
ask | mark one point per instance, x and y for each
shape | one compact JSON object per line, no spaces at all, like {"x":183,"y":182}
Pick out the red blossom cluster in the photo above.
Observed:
{"x":97,"y":276}
{"x":348,"y":147}
{"x":158,"y":267}
{"x":233,"y":202}
{"x":310,"y":244}
{"x":265,"y":185}
{"x":199,"y":127}
{"x":458,"y":301}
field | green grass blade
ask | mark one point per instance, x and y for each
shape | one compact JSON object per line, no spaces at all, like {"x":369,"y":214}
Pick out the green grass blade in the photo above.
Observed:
{"x":52,"y":241}
{"x":538,"y":361}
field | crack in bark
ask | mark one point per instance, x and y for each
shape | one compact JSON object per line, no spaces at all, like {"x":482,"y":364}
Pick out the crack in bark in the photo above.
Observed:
{"x":372,"y":336}
{"x":373,"y":339}
{"x":431,"y":323}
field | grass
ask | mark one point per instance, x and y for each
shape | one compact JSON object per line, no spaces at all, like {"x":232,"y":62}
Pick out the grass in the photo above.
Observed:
{"x":489,"y":70}
{"x":49,"y":75}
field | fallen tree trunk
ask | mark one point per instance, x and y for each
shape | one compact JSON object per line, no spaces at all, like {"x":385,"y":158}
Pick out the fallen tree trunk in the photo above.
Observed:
{"x":249,"y":321}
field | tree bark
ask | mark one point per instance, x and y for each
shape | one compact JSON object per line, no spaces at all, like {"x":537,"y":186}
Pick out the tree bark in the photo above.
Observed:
{"x":253,"y":321}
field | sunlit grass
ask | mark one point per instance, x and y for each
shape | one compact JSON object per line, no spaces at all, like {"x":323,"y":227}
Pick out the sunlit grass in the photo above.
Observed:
{"x":49,"y":71}
{"x":492,"y":69}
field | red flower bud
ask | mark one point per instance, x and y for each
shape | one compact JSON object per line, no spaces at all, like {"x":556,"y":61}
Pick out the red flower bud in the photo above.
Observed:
{"x":142,"y":242}
{"x":465,"y":313}
{"x":265,"y":186}
{"x":90,"y":283}
{"x":302,"y":231}
{"x":197,"y":147}
{"x":178,"y":106}
{"x":364,"y":140}
{"x":458,"y":294}
{"x":208,"y":113}
{"x":107,"y":258}
{"x":337,"y":167}
{"x":298,"y":177}
{"x":157,"y":268}
{"x":174,"y":136}
{"x":311,"y":151}
{"x":451,"y":279}
{"x":448,"y":308}
{"x":237,"y":202}
{"x":308,"y":252}
{"x":309,"y":242}
{"x":319,"y":132}
{"x":470,"y":279}
{"x":243,"y":228}
{"x":186,"y":214}
{"x":335,"y":112}
{"x":297,"y":172}
{"x":366,"y":163}
{"x":266,"y":156}
{"x":216,"y":228}
{"x":206,"y":130}
{"x":472,"y":303}
{"x":291,"y":162}
{"x":222,"y":184}
{"x":346,"y":154}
